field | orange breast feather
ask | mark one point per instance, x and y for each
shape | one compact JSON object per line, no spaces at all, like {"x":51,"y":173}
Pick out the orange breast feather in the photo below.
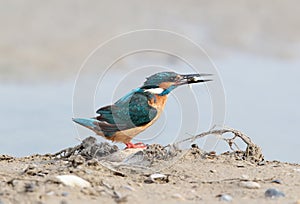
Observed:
{"x":125,"y":136}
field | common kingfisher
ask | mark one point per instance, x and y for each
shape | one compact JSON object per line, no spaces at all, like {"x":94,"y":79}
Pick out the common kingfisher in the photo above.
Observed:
{"x":137,"y":110}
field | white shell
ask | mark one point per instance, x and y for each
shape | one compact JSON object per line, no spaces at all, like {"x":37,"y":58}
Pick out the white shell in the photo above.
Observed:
{"x":157,"y":176}
{"x":73,"y":181}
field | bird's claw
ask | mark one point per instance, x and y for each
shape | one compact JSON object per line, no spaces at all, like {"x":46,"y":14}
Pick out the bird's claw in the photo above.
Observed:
{"x":130,"y":145}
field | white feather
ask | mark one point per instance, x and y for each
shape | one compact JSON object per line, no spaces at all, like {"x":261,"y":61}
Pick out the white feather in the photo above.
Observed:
{"x":155,"y":90}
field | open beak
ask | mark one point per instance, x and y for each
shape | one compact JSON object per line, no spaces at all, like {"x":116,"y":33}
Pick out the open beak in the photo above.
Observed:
{"x":193,"y":78}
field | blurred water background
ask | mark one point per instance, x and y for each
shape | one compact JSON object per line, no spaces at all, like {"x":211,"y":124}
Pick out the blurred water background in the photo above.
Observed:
{"x":254,"y":44}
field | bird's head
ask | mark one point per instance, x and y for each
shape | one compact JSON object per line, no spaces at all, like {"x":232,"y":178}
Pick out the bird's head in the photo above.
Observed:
{"x":163,"y":83}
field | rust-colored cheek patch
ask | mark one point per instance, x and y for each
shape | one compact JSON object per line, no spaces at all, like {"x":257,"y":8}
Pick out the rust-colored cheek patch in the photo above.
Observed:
{"x":166,"y":85}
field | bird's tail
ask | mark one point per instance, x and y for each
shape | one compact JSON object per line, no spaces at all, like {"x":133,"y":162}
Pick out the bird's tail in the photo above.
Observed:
{"x":87,"y":122}
{"x":100,"y":127}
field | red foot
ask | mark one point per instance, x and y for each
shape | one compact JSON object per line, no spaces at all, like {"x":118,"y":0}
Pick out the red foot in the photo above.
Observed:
{"x":130,"y":145}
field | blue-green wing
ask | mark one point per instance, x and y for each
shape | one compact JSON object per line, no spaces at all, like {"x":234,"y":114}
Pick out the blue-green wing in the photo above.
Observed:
{"x":131,"y":111}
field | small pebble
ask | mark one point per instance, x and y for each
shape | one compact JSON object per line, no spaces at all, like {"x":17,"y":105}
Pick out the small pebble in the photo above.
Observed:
{"x":14,"y":182}
{"x":273,"y":193}
{"x":250,"y":184}
{"x":261,"y":163}
{"x":139,"y":185}
{"x":64,"y":194}
{"x":129,"y":188}
{"x":29,"y":187}
{"x":225,"y":197}
{"x":276,"y":181}
{"x":194,"y":146}
{"x":63,"y":202}
{"x":50,"y":193}
{"x":77,"y":160}
{"x":211,"y":155}
{"x":212,"y":171}
{"x":178,"y":196}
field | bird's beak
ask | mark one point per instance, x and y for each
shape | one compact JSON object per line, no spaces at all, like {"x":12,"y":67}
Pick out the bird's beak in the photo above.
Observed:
{"x":193,"y":78}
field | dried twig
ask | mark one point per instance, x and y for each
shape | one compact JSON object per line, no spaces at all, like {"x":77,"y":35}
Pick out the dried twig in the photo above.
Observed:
{"x":110,"y":167}
{"x":253,"y":152}
{"x":237,"y":179}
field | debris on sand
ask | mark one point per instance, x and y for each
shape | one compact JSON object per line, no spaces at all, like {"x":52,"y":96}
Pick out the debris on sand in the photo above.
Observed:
{"x":253,"y":152}
{"x":155,"y":157}
{"x":89,"y":148}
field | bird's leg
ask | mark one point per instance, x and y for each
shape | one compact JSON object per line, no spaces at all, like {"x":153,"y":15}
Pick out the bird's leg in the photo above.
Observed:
{"x":130,"y":145}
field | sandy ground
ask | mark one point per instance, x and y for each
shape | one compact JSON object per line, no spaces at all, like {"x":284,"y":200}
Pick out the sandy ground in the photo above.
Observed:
{"x":124,"y":176}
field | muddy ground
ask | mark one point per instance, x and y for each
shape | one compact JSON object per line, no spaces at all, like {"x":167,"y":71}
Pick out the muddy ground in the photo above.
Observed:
{"x":156,"y":174}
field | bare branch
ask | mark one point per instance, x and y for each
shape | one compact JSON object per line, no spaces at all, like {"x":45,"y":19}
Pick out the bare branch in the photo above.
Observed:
{"x":252,"y":153}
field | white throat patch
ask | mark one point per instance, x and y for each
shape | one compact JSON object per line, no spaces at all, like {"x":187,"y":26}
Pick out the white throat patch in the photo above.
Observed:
{"x":155,"y":90}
